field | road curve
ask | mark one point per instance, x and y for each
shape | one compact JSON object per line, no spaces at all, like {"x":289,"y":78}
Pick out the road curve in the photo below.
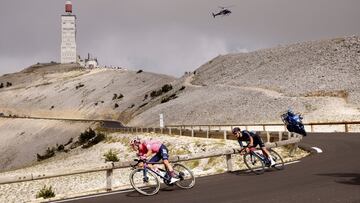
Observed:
{"x":330,"y":176}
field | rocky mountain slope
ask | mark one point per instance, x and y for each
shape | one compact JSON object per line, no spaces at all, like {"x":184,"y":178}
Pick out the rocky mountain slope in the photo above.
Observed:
{"x":319,"y":79}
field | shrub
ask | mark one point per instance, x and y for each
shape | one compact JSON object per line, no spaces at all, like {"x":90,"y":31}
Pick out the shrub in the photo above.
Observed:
{"x":8,"y":84}
{"x":142,"y":105}
{"x":111,"y":156}
{"x":166,"y":88}
{"x":52,"y":107}
{"x":159,"y":92}
{"x":1,"y":85}
{"x":79,"y":86}
{"x":139,"y":71}
{"x":114,"y":97}
{"x":116,"y":106}
{"x":90,"y":138}
{"x":70,"y":141}
{"x":96,"y":103}
{"x":45,"y":192}
{"x":50,"y":152}
{"x":166,"y":99}
{"x":145,"y":97}
{"x":132,"y":106}
{"x":155,"y":93}
{"x":60,"y":148}
{"x":120,"y":96}
{"x":182,"y":88}
{"x":86,"y":136}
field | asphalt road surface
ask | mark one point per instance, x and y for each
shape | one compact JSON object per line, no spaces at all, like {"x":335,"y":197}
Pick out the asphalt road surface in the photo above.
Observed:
{"x":330,"y":176}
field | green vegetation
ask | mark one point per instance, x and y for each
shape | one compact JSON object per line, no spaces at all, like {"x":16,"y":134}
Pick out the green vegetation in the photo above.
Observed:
{"x":90,"y":138}
{"x":8,"y":84}
{"x":192,"y":164}
{"x":117,"y":97}
{"x":45,"y":192}
{"x":50,"y":152}
{"x":111,"y":156}
{"x":142,"y":105}
{"x":145,"y":97}
{"x":159,"y":92}
{"x":79,"y":86}
{"x":166,"y":99}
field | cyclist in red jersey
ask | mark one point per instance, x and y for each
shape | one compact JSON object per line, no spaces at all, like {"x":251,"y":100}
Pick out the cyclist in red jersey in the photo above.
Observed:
{"x":146,"y":148}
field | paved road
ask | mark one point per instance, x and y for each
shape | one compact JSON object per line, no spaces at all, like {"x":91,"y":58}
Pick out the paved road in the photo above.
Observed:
{"x":331,"y":176}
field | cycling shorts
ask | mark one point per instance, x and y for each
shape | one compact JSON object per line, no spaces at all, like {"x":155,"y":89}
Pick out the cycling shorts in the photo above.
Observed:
{"x":163,"y":154}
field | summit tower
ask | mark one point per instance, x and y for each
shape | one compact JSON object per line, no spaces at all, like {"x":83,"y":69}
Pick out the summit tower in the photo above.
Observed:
{"x":68,"y":35}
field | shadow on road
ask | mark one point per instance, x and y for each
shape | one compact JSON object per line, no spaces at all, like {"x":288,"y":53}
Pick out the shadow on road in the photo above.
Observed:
{"x":352,"y":178}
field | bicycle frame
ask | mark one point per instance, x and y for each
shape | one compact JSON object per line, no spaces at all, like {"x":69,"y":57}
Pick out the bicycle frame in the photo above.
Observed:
{"x":253,"y":152}
{"x":146,"y":168}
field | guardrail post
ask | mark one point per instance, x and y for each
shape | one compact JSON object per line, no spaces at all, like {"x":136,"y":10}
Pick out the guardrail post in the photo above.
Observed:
{"x":162,"y":130}
{"x":346,"y":128}
{"x":169,"y":131}
{"x":208,"y":132}
{"x":312,"y":128}
{"x":280,"y":135}
{"x":264,"y":129}
{"x":229,"y":163}
{"x":109,"y":174}
{"x":225,"y":135}
{"x":180,"y":131}
{"x":192,"y":131}
{"x":293,"y":149}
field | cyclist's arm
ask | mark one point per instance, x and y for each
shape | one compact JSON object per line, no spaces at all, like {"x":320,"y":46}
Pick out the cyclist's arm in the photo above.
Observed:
{"x":251,"y":143}
{"x":240,"y":143}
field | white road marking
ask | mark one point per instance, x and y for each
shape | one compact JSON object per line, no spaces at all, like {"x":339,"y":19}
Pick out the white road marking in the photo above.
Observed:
{"x":318,"y":150}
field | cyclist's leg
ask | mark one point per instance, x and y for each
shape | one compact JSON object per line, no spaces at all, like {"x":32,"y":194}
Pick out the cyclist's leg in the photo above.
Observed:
{"x":155,"y":158}
{"x":164,"y":153}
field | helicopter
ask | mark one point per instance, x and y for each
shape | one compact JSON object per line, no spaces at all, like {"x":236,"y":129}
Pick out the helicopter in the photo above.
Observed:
{"x":223,"y":12}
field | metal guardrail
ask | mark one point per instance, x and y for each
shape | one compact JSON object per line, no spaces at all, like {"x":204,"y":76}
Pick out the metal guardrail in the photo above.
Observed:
{"x":278,"y":139}
{"x":346,"y":125}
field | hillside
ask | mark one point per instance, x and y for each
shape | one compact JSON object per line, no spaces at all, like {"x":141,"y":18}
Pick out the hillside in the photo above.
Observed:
{"x":67,"y":91}
{"x":320,"y":79}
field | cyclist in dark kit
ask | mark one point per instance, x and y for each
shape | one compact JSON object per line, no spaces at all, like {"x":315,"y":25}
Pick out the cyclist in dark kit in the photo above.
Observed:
{"x":253,"y":140}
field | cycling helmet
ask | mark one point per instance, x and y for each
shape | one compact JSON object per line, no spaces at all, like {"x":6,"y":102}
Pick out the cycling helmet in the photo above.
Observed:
{"x":135,"y":141}
{"x":235,"y":130}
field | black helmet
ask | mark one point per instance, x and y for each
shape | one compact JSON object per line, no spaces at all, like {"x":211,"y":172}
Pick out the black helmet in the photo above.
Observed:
{"x":235,"y":130}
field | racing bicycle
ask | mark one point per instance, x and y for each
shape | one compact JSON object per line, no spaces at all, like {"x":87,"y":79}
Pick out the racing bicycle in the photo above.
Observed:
{"x":145,"y":180}
{"x":257,"y":162}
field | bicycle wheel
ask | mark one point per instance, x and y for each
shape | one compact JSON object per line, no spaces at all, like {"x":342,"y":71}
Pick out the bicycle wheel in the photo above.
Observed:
{"x":278,"y":160}
{"x":254,"y":163}
{"x":187,"y":178}
{"x":148,"y":185}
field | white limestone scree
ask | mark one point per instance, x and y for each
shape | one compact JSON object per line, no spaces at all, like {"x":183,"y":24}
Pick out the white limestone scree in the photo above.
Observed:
{"x":68,"y":36}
